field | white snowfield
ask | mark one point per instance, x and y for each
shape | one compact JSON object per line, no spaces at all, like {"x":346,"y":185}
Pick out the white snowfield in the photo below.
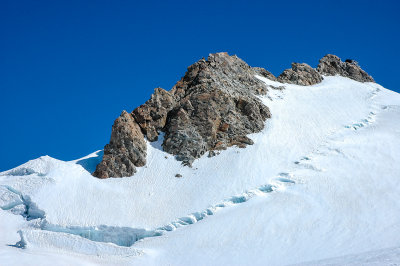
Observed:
{"x":320,"y":186}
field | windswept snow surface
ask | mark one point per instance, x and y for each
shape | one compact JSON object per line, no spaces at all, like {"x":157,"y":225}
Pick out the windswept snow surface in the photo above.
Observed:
{"x":320,"y":185}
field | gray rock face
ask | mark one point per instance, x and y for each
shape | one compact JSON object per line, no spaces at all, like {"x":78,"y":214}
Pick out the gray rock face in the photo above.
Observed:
{"x":126,"y":150}
{"x":300,"y":74}
{"x":331,"y":65}
{"x":214,"y":106}
{"x":212,"y":121}
{"x":152,"y":115}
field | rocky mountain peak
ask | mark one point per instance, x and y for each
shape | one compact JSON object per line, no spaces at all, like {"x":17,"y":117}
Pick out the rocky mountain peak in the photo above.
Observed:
{"x":212,"y":107}
{"x":223,"y":71}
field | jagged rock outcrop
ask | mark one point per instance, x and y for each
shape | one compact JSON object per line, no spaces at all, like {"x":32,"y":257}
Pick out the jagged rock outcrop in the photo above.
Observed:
{"x":214,"y":106}
{"x":126,"y":150}
{"x":264,"y":73}
{"x":152,"y":115}
{"x":212,"y":120}
{"x":331,"y":65}
{"x":300,"y":74}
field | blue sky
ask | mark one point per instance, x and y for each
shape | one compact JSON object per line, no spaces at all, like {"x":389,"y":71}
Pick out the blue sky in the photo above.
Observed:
{"x":68,"y":68}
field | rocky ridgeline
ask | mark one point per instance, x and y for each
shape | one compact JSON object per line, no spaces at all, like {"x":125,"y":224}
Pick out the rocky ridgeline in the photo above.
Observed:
{"x":213,"y":107}
{"x":300,"y":74}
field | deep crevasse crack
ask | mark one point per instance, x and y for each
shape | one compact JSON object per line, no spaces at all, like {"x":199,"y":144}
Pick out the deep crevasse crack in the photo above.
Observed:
{"x":126,"y":236}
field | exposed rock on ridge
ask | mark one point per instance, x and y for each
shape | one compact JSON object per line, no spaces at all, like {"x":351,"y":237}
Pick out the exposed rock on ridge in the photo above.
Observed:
{"x":214,"y":106}
{"x":300,"y":74}
{"x":152,"y":115}
{"x":331,"y":65}
{"x":126,"y":150}
{"x":264,"y":73}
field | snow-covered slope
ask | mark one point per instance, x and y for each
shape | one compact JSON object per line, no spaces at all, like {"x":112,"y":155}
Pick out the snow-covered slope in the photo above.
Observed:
{"x":321,"y":181}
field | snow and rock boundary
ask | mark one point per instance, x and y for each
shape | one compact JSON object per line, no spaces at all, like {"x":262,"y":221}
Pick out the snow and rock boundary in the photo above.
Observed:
{"x":213,"y":107}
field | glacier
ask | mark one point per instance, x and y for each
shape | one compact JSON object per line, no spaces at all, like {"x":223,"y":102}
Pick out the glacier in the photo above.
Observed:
{"x":320,"y":185}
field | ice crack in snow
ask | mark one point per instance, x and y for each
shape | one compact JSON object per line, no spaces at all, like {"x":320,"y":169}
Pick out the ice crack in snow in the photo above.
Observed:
{"x":31,"y":210}
{"x":278,"y":183}
{"x":126,"y":236}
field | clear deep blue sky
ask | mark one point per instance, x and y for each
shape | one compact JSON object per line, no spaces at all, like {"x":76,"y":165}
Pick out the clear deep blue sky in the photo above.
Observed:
{"x":68,"y":68}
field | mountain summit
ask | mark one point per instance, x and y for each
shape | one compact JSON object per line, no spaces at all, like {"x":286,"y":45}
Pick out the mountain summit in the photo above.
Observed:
{"x":214,"y":106}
